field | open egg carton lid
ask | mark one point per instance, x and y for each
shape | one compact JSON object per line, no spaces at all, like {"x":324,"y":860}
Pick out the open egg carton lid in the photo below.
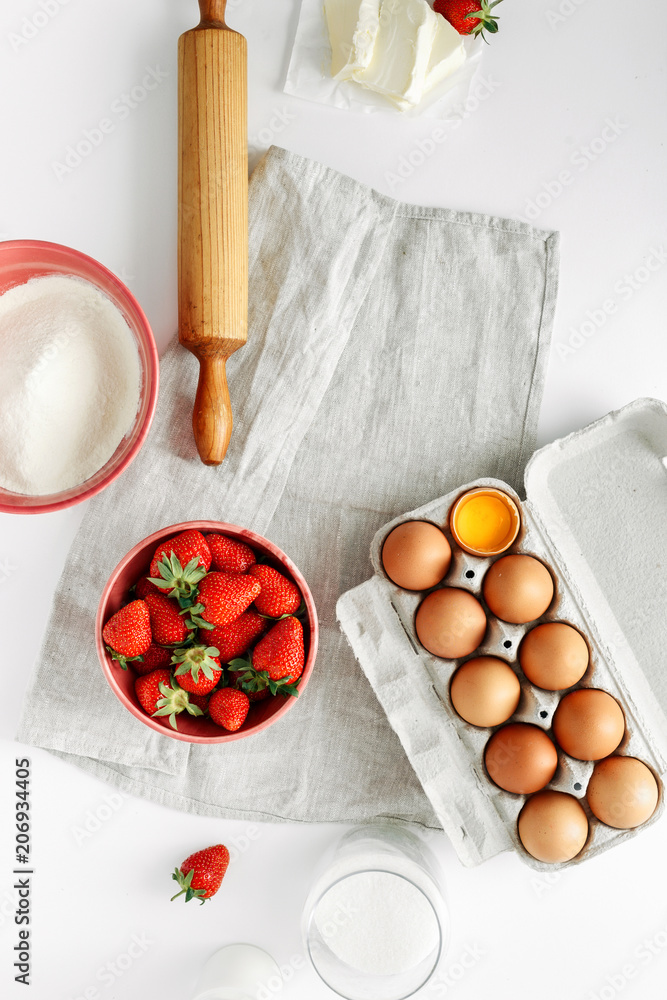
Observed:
{"x":596,"y":513}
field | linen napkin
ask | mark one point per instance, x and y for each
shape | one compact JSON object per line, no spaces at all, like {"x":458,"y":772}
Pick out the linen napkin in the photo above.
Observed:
{"x":394,"y":352}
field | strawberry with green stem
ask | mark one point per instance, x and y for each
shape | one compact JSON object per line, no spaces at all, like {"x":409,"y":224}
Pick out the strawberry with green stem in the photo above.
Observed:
{"x":281,"y":652}
{"x":200,"y":876}
{"x":197,"y":669}
{"x":277,"y":660}
{"x":179,"y":564}
{"x":469,"y":17}
{"x":158,"y":697}
{"x":178,"y":581}
{"x":128,"y":633}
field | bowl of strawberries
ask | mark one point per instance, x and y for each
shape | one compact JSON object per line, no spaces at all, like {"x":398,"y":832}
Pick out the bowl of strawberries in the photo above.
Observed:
{"x":207,"y":632}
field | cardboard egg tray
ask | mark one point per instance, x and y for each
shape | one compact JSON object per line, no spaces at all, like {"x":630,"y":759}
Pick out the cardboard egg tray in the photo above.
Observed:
{"x":596,"y":515}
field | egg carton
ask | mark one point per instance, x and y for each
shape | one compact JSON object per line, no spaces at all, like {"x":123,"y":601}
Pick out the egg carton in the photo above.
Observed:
{"x":596,"y":515}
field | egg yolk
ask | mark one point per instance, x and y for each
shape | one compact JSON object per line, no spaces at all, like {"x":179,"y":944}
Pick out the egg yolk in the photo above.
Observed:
{"x":483,"y":522}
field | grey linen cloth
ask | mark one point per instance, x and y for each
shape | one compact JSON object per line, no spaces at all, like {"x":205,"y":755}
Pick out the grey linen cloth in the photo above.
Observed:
{"x":394,"y":352}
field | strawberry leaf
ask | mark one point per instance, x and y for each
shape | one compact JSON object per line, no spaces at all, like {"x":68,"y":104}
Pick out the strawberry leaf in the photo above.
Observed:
{"x":180,"y":581}
{"x":193,"y":709}
{"x":283,"y":687}
{"x":241,"y":663}
{"x":123,"y":661}
{"x":185,"y":882}
{"x":195,"y":620}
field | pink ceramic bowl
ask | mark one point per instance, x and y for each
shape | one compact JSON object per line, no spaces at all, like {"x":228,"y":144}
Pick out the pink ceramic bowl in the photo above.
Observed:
{"x":262,"y":714}
{"x":21,"y":260}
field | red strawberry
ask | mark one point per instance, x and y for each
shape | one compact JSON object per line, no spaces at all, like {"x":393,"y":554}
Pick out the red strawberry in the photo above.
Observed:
{"x":236,"y":638}
{"x":144,"y":586}
{"x":469,"y":17}
{"x":179,"y":564}
{"x":200,"y":876}
{"x":128,"y":632}
{"x":279,"y":595}
{"x":281,"y":652}
{"x":197,"y":668}
{"x":154,"y":658}
{"x":201,"y":701}
{"x":230,"y":556}
{"x":294,"y":676}
{"x":169,"y":628}
{"x":188,"y":545}
{"x":228,"y":708}
{"x":158,"y":696}
{"x":238,"y":678}
{"x":224,"y":597}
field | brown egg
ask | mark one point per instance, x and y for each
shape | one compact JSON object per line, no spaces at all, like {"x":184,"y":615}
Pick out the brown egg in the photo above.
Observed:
{"x":416,"y":555}
{"x":450,"y":623}
{"x":553,"y":826}
{"x":485,"y":691}
{"x":554,"y":656}
{"x":588,"y":724}
{"x":521,"y":758}
{"x":518,"y":589}
{"x":622,"y":792}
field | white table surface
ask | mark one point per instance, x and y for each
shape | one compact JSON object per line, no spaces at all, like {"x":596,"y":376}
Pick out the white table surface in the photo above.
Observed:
{"x":558,"y":79}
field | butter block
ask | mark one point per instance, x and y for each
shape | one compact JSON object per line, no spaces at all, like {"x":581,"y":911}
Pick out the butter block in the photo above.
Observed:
{"x":353,"y":29}
{"x":447,"y":54}
{"x":402,"y":52}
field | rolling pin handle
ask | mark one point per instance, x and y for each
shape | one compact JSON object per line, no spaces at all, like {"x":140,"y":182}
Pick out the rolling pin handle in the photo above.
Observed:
{"x":212,"y":11}
{"x":212,"y":415}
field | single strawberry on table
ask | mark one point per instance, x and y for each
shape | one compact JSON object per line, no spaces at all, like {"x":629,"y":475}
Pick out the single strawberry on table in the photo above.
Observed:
{"x":200,"y":876}
{"x":197,"y":669}
{"x":158,"y":696}
{"x":228,"y":708}
{"x":224,"y":597}
{"x":235,"y":639}
{"x":279,"y":596}
{"x":168,"y":625}
{"x":128,"y":633}
{"x":230,"y":555}
{"x":469,"y":17}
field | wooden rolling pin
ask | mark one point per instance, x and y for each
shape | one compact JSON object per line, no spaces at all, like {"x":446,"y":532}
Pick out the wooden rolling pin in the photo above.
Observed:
{"x":213,"y":215}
